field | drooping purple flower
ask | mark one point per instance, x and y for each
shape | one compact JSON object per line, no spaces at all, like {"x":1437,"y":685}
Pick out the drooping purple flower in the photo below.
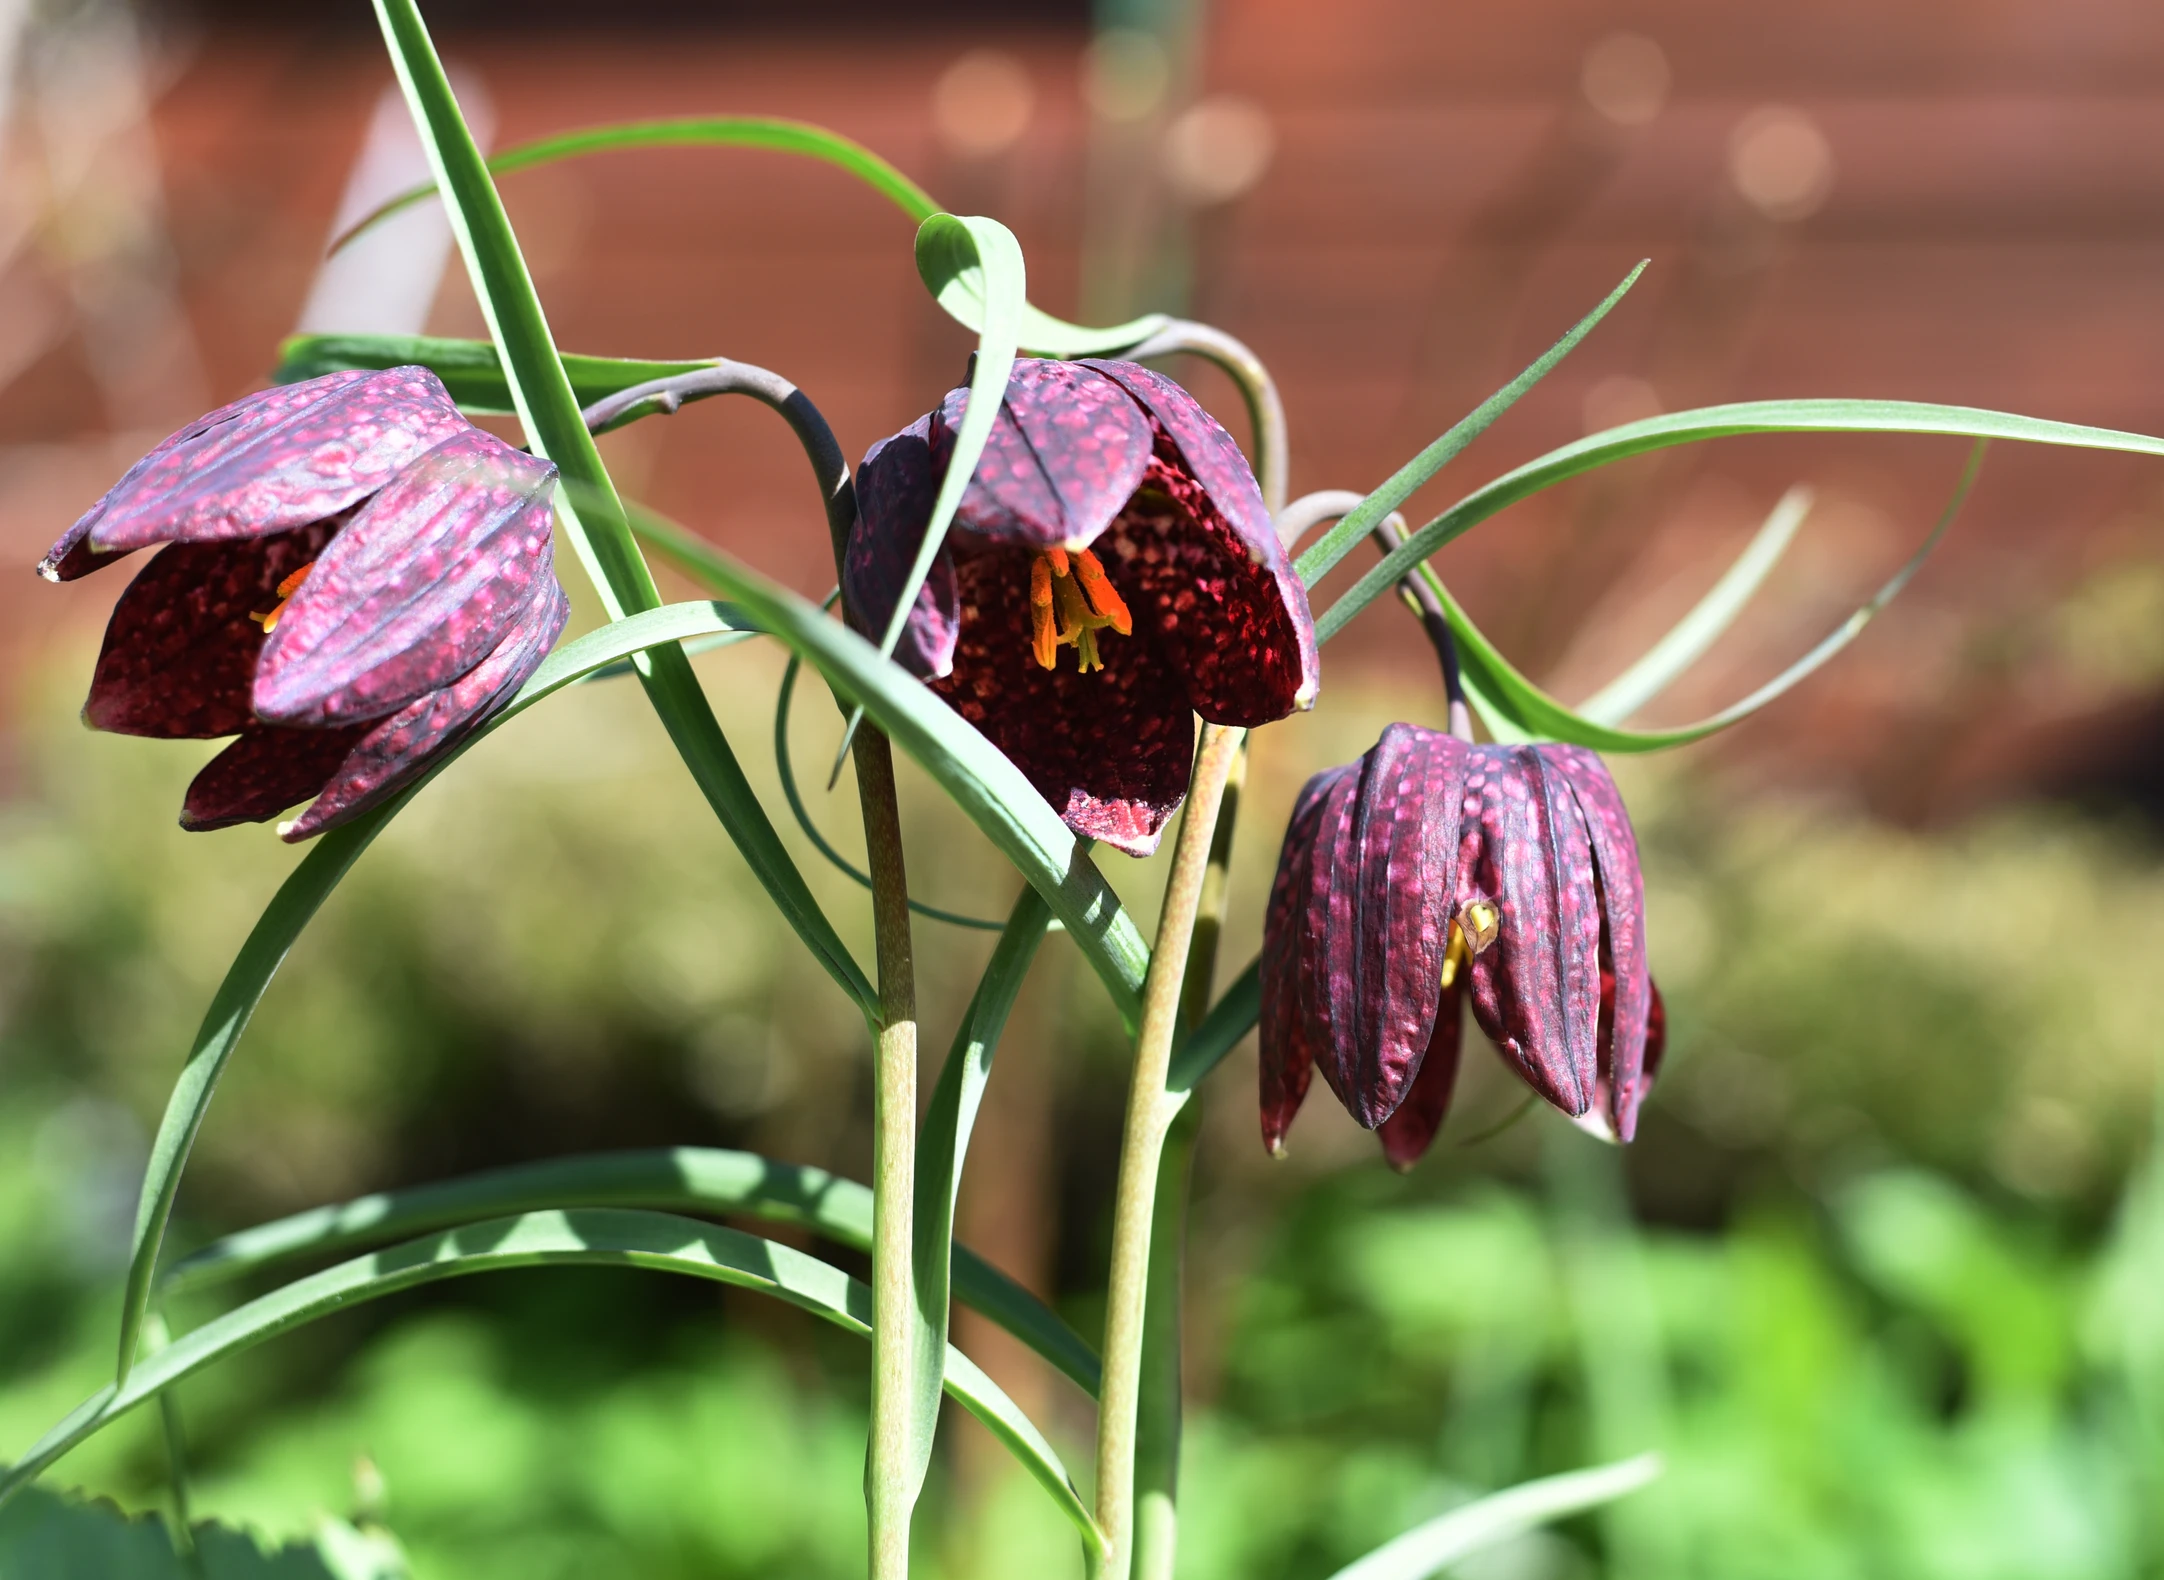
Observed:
{"x":354,"y":578}
{"x":1111,"y":514}
{"x":1432,"y":871}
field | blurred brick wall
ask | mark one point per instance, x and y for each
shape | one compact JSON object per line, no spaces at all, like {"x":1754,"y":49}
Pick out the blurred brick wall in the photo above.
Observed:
{"x":1960,"y":202}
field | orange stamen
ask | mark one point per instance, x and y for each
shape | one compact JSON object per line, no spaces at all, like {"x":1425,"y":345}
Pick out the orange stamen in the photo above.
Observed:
{"x":1070,"y":600}
{"x":268,"y":619}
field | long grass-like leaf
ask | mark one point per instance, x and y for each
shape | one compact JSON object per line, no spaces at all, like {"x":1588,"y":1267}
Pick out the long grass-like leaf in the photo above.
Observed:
{"x":296,"y":901}
{"x":1687,"y":640}
{"x":982,"y":782}
{"x":942,"y":1144}
{"x":603,"y":1238}
{"x":1232,"y":1017}
{"x":1040,"y":331}
{"x":978,"y":257}
{"x":1712,"y":422}
{"x":1428,"y":1549}
{"x":592,"y":514}
{"x":1513,"y":705}
{"x":470,"y":369}
{"x":1335,"y":544}
{"x":711,"y":131}
{"x":706,"y":1180}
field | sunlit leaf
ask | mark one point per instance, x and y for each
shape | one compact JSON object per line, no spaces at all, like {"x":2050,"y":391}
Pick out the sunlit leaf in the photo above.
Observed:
{"x":706,"y":1180}
{"x":1428,"y":1549}
{"x":1686,"y":642}
{"x":592,"y":514}
{"x":49,"y":1536}
{"x":470,"y":369}
{"x":1356,"y":524}
{"x":988,"y":788}
{"x":725,"y":131}
{"x":597,"y":1238}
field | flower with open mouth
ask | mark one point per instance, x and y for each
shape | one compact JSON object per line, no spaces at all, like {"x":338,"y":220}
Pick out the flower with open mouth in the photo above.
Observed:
{"x":1110,"y":514}
{"x":354,"y":579}
{"x":1431,"y":871}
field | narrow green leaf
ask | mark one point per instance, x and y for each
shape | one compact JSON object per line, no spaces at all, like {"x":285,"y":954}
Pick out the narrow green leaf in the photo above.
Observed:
{"x":1511,"y":704}
{"x":53,"y":1536}
{"x":942,"y":1144}
{"x":982,"y":782}
{"x":592,"y":514}
{"x":597,"y":1238}
{"x":297,"y":900}
{"x":675,"y":1179}
{"x":726,"y":131}
{"x":1712,"y":422}
{"x":1428,"y":1549}
{"x":470,"y":369}
{"x":1335,"y":544}
{"x":1687,"y":641}
{"x":951,"y":250}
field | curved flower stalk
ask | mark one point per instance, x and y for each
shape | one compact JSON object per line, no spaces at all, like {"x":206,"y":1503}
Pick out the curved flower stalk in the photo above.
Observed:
{"x":1110,"y":514}
{"x":1432,"y":871}
{"x":354,"y":579}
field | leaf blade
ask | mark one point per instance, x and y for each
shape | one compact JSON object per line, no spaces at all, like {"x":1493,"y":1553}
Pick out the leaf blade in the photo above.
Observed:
{"x":471,"y":370}
{"x":1427,"y":1549}
{"x":597,"y":1237}
{"x":709,"y":1180}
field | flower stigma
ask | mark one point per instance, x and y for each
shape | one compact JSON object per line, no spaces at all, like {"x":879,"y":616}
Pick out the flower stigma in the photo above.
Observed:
{"x":268,"y":618}
{"x":1472,"y":930}
{"x":1070,"y":601}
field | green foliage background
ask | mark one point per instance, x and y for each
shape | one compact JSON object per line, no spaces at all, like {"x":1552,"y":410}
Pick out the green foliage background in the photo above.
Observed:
{"x":1881,"y":1275}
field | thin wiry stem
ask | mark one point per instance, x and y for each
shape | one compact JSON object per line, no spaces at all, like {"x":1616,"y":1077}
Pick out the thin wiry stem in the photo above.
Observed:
{"x":889,"y":1486}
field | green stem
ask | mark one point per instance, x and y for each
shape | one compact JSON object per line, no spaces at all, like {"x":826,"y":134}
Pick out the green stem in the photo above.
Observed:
{"x":889,"y":1489}
{"x":1150,"y":1112}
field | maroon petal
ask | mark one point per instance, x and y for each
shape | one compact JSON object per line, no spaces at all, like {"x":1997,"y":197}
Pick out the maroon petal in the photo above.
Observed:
{"x":1401,"y":883}
{"x":1623,"y":918}
{"x":270,"y":461}
{"x":896,"y":488}
{"x":267,"y":770}
{"x":1269,"y":621}
{"x":1287,"y":1057}
{"x":1110,"y":750}
{"x":1242,"y":643}
{"x":180,"y":651}
{"x":1656,"y":1044}
{"x":399,"y":749}
{"x":1410,"y":1130}
{"x":425,"y":583}
{"x":1063,"y":456}
{"x":1329,"y":941}
{"x":1536,"y":991}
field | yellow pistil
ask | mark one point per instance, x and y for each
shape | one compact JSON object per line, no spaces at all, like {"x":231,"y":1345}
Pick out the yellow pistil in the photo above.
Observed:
{"x":1070,"y":601}
{"x":1472,"y":930}
{"x":268,"y":619}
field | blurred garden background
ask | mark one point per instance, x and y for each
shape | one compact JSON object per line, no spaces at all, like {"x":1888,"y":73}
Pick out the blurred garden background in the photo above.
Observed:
{"x":1884,"y":1273}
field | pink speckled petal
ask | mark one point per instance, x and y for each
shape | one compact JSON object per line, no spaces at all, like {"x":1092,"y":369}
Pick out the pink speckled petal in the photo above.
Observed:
{"x":180,"y":651}
{"x":1067,"y":450}
{"x":268,"y":462}
{"x":1329,"y":940}
{"x":267,"y":770}
{"x":1411,"y":1128}
{"x":1401,"y":883}
{"x":1536,"y":991}
{"x":425,"y":583}
{"x":1191,"y":443}
{"x":397,"y":750}
{"x":1110,"y":750}
{"x":1287,"y":1058}
{"x":896,"y":488}
{"x":1623,"y":920}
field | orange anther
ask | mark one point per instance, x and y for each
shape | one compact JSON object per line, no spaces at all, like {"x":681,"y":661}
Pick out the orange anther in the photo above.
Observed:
{"x":1104,"y":598}
{"x":1058,"y":559}
{"x":268,"y":618}
{"x":1043,"y":639}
